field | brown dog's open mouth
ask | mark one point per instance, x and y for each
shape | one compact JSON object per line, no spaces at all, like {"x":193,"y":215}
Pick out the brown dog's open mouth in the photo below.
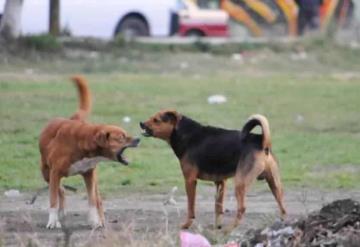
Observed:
{"x":120,"y":155}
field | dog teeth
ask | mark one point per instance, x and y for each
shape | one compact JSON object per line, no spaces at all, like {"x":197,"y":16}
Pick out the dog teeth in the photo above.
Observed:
{"x":145,"y":132}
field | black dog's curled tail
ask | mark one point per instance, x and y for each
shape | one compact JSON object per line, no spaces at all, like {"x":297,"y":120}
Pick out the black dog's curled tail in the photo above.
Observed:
{"x":259,"y":120}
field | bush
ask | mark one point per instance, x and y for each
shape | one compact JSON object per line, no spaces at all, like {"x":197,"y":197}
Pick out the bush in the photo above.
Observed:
{"x":42,"y":42}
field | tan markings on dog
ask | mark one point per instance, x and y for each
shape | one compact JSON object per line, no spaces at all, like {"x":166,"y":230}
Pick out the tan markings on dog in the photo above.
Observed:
{"x":163,"y":123}
{"x":265,"y":128}
{"x":272,"y":177}
{"x":190,"y":173}
{"x":214,"y":177}
{"x":244,"y":177}
{"x":264,"y":124}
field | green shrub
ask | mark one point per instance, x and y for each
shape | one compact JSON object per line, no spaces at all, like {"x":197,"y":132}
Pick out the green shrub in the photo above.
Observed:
{"x":126,"y":182}
{"x":42,"y":42}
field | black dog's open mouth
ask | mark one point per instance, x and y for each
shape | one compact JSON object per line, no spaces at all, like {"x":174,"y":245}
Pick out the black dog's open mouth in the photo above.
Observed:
{"x":146,"y":131}
{"x":120,"y":155}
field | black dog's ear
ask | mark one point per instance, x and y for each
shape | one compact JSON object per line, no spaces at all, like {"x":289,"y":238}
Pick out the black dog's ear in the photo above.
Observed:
{"x":171,"y":116}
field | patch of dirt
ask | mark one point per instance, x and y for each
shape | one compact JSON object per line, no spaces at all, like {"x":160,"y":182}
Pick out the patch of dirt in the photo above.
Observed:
{"x":335,"y":168}
{"x":336,"y":224}
{"x":145,"y":218}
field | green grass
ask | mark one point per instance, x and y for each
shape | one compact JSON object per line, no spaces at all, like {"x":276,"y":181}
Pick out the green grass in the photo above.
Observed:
{"x":312,"y":152}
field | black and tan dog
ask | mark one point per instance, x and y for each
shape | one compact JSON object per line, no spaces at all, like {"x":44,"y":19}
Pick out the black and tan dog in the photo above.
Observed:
{"x":216,"y":154}
{"x":72,"y":146}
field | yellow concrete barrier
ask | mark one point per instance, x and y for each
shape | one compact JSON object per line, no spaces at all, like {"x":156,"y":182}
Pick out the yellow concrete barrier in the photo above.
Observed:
{"x":290,"y":10}
{"x":327,"y":12}
{"x":262,"y":9}
{"x":239,"y":14}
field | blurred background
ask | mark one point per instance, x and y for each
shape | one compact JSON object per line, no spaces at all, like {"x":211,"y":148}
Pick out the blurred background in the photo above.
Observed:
{"x":295,"y":61}
{"x":166,"y":18}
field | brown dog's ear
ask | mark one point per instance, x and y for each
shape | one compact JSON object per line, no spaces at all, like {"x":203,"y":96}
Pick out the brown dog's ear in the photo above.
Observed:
{"x":171,"y":116}
{"x":101,"y":138}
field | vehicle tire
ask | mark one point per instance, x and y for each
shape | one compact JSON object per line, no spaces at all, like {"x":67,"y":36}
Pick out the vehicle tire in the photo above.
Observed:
{"x":194,"y":33}
{"x":132,"y":27}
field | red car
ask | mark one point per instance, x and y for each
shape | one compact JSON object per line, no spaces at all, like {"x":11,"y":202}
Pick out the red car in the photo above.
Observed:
{"x":194,"y":21}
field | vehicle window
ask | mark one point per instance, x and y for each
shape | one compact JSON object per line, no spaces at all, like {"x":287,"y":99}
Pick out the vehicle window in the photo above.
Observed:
{"x":180,"y":4}
{"x":208,"y":4}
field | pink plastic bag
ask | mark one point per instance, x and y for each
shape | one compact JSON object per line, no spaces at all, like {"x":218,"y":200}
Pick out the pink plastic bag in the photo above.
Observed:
{"x":188,"y":239}
{"x":232,"y":245}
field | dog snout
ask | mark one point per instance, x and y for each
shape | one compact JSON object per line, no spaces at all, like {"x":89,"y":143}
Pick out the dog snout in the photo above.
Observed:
{"x":146,"y":130}
{"x":135,"y":142}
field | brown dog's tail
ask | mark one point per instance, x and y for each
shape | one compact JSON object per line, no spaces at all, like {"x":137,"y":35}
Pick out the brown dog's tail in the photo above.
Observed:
{"x":259,"y":120}
{"x":84,"y":98}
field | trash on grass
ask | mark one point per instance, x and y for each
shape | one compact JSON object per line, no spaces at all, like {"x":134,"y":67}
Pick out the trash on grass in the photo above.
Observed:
{"x":12,"y":193}
{"x":126,"y":119}
{"x":216,"y":99}
{"x":299,"y":119}
{"x":170,"y":200}
{"x":184,"y":65}
{"x":188,"y":239}
{"x":237,"y":57}
{"x":299,"y":56}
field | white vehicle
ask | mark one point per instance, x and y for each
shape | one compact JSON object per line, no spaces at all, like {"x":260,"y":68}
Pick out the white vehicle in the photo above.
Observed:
{"x":103,"y":19}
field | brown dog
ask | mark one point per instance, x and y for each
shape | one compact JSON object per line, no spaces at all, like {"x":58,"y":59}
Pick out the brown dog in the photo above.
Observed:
{"x":216,"y":154}
{"x":73,"y":146}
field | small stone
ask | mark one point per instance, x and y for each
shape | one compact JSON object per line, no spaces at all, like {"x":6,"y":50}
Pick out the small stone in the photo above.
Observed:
{"x":12,"y":193}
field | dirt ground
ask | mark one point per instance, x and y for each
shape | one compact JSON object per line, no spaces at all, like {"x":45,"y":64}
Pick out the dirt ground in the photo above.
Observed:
{"x":143,"y":216}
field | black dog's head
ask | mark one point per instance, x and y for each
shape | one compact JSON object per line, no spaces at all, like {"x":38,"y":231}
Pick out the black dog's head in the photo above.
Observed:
{"x":161,"y":125}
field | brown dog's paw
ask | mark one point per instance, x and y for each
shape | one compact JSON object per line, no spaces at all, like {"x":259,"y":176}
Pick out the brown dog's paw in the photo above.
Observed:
{"x":187,"y":224}
{"x":53,"y":219}
{"x":94,"y":218}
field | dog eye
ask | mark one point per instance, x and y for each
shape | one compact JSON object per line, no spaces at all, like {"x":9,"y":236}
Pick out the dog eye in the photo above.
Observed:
{"x":121,"y":139}
{"x":156,"y":120}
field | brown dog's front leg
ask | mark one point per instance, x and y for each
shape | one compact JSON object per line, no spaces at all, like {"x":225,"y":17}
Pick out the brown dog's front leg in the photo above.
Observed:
{"x":190,"y":186}
{"x":99,"y":204}
{"x":96,"y":218}
{"x":61,"y":202}
{"x":54,"y":185}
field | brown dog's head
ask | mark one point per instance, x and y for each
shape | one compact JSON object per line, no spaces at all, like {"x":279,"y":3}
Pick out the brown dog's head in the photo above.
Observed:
{"x":161,"y":125}
{"x":113,"y":141}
